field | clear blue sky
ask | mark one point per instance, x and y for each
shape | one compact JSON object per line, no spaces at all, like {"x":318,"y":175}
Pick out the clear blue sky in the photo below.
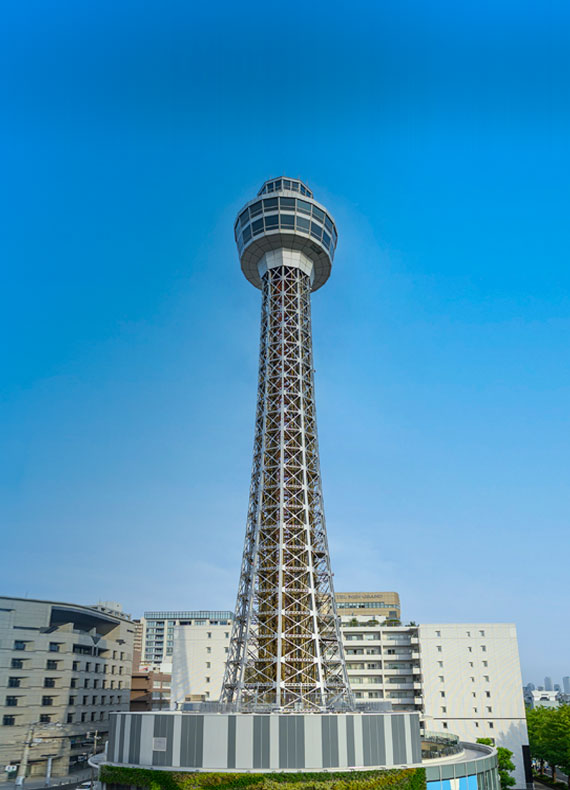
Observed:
{"x":437,"y":134}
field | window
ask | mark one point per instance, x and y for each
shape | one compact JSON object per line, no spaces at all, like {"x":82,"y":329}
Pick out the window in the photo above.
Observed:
{"x":440,"y":663}
{"x":120,"y":684}
{"x":112,"y":684}
{"x":487,"y":693}
{"x":491,"y":725}
{"x":114,"y":654}
{"x":476,"y":723}
{"x":470,"y":649}
{"x":85,"y":701}
{"x":474,"y":710}
{"x":227,"y":634}
{"x":485,"y":663}
{"x":19,"y":645}
{"x":473,"y":694}
{"x":72,"y":683}
{"x":208,"y":650}
{"x":482,"y":633}
{"x":208,"y":664}
{"x":442,"y":693}
{"x":11,"y":702}
{"x":51,"y":664}
{"x":441,"y":678}
{"x":472,"y":680}
{"x":121,"y":670}
{"x":443,"y":709}
{"x":49,"y":683}
{"x":8,"y":721}
{"x":76,"y":666}
{"x":97,"y":667}
{"x":468,"y":633}
{"x":103,"y":700}
{"x":226,"y":649}
{"x":439,"y":648}
{"x":94,"y":701}
{"x":95,"y":684}
{"x":438,"y":633}
{"x":14,"y":683}
{"x":444,"y":725}
{"x":113,"y":668}
{"x":484,"y":648}
{"x":17,"y":663}
{"x":72,"y":700}
{"x":489,"y":709}
{"x":122,"y":656}
{"x":93,"y":716}
{"x":486,"y":678}
{"x":207,"y":680}
{"x":86,"y":683}
{"x":69,"y":718}
{"x":54,"y":647}
{"x":209,"y":634}
{"x":83,"y":717}
{"x":46,"y":701}
{"x":45,"y":718}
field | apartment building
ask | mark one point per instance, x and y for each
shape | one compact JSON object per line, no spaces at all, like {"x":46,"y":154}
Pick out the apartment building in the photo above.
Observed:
{"x":368,"y":605}
{"x":63,"y":669}
{"x":199,"y":658}
{"x":464,"y":678}
{"x":157,"y":641}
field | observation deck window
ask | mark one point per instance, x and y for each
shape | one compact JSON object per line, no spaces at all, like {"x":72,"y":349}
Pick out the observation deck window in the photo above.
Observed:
{"x":288,"y":203}
{"x":255,"y":209}
{"x":287,"y":220}
{"x":303,"y":206}
{"x":270,"y":204}
{"x":303,"y":224}
{"x":272,"y":222}
{"x":257,"y":226}
{"x":318,"y":214}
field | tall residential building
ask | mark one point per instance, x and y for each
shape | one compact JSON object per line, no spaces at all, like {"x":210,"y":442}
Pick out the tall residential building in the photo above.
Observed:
{"x":548,"y":684}
{"x":566,"y":685}
{"x":63,"y":669}
{"x":368,"y":605}
{"x":200,"y":654}
{"x":138,"y":644}
{"x":158,"y":634}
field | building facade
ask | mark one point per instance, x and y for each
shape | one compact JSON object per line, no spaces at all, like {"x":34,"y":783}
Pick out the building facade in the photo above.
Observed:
{"x":63,"y":669}
{"x":199,"y":658}
{"x":157,"y":634}
{"x":368,"y":605}
{"x":150,"y":691}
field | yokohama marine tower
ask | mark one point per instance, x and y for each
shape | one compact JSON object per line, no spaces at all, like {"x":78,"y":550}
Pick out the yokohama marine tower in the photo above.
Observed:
{"x":286,"y":650}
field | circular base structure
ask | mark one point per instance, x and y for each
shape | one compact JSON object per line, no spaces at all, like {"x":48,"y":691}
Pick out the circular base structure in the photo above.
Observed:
{"x":264,"y":742}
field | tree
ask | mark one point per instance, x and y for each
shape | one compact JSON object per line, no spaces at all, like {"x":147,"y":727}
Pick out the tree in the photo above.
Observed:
{"x":549,"y":737}
{"x":506,"y":765}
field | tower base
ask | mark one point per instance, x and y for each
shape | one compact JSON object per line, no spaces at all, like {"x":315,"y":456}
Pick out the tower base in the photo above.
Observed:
{"x":264,"y":742}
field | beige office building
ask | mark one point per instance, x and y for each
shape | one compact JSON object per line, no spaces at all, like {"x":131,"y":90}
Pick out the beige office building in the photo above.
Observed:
{"x":368,"y":605}
{"x":63,"y":669}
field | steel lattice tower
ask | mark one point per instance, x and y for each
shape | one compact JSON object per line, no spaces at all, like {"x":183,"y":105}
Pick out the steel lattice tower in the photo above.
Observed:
{"x":286,"y":649}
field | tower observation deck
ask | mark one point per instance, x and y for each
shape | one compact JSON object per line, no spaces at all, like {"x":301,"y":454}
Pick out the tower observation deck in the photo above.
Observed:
{"x":286,"y":650}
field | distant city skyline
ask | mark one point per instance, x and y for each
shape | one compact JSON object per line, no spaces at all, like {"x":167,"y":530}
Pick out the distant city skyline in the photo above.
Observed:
{"x":437,"y":135}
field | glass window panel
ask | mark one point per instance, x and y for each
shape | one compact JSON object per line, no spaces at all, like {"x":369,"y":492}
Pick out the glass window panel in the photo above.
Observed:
{"x":255,"y":209}
{"x":278,"y":184}
{"x":303,"y":206}
{"x":328,"y":224}
{"x":316,"y":230}
{"x":294,"y":186}
{"x":287,"y":220}
{"x":270,"y":204}
{"x":270,"y":187}
{"x":318,"y":214}
{"x":257,"y":226}
{"x":244,"y":217}
{"x":326,"y":240}
{"x":288,"y":203}
{"x":303,"y":224}
{"x":246,"y":234}
{"x":271,"y":222}
{"x":286,"y":184}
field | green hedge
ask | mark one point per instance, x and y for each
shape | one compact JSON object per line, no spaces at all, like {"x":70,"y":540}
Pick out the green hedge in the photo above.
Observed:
{"x":405,"y":779}
{"x":547,"y":780}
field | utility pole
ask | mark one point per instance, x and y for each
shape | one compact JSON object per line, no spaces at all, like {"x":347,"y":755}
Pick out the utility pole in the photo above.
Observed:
{"x":25,"y":756}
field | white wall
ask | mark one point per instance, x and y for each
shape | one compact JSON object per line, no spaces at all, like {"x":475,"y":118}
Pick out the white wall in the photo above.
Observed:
{"x":196,"y":647}
{"x":480,"y":667}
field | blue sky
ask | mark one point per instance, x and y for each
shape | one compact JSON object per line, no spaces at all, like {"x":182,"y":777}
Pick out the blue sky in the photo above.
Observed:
{"x":437,"y":135}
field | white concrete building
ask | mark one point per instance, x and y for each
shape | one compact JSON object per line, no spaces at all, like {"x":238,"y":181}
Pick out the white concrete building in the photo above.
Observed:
{"x":199,"y":658}
{"x":472,"y":686}
{"x":464,"y":678}
{"x":157,"y":634}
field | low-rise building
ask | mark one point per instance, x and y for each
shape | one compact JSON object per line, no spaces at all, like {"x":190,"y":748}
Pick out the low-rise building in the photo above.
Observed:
{"x":150,"y":691}
{"x":63,"y":669}
{"x":368,"y":605}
